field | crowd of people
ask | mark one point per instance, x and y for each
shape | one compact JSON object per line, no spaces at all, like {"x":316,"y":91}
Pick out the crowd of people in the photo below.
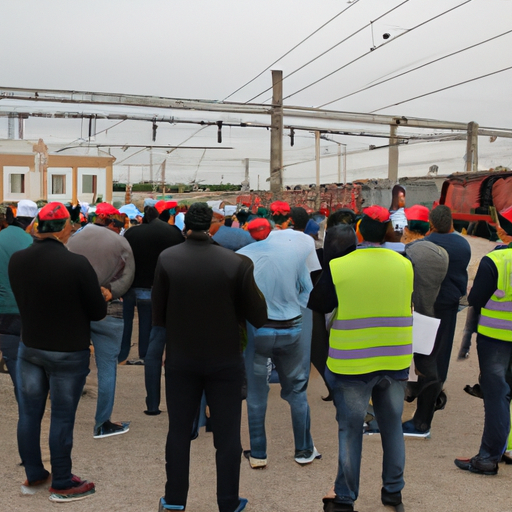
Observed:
{"x":277,"y":289}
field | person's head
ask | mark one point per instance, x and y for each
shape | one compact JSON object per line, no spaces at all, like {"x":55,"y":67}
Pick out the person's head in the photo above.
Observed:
{"x":339,"y":241}
{"x":150,"y":214}
{"x":417,"y":223}
{"x":312,"y":229}
{"x":112,"y":218}
{"x":374,"y":224}
{"x":441,"y":220}
{"x":228,"y":222}
{"x":259,"y":228}
{"x":242,"y":215}
{"x":505,"y":220}
{"x":341,"y":216}
{"x":53,"y":221}
{"x":397,"y":198}
{"x":299,"y":217}
{"x":198,"y":217}
{"x":280,"y":214}
{"x":6,"y":216}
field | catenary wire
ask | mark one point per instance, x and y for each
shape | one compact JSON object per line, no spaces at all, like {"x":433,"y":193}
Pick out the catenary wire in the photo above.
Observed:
{"x":331,"y":48}
{"x":373,"y":51}
{"x":415,"y":69}
{"x":291,"y":50}
{"x":442,"y":89}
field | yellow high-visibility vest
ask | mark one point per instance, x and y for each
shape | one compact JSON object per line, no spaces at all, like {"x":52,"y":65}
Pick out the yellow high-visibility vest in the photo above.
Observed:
{"x":496,"y":317}
{"x":372,"y":327}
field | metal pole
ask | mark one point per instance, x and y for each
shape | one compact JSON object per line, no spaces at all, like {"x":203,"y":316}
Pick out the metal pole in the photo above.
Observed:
{"x":345,"y":164}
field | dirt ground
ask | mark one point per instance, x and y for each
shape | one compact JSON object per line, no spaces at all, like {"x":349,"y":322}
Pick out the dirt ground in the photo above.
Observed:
{"x":129,"y":469}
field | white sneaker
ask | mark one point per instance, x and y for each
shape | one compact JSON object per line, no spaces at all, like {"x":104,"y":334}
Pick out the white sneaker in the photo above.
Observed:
{"x":307,"y":456}
{"x":253,"y":462}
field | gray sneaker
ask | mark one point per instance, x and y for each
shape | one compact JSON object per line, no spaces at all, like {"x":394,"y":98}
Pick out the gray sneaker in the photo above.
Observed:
{"x":307,"y":456}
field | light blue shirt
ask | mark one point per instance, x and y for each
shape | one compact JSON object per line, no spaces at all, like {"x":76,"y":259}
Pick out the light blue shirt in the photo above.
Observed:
{"x":282,"y":264}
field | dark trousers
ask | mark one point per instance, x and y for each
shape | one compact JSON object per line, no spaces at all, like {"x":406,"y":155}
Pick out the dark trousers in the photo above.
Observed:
{"x":433,"y":369}
{"x":185,"y":380}
{"x":495,"y":358}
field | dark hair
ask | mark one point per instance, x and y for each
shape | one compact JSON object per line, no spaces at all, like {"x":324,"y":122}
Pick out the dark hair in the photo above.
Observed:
{"x":228,"y":222}
{"x":394,"y":197}
{"x":150,"y":213}
{"x":299,"y":217}
{"x":339,"y":240}
{"x":441,"y":218}
{"x":243,"y":215}
{"x":51,"y":226}
{"x":418,"y":226}
{"x":198,"y":217}
{"x":280,"y":218}
{"x":165,"y":215}
{"x":372,"y":230}
{"x":341,"y":216}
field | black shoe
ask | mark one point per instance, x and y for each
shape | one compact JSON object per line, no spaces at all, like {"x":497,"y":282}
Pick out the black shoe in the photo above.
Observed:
{"x":507,"y":457}
{"x":153,"y":413}
{"x":476,"y":465}
{"x":441,"y":401}
{"x":332,"y":506}
{"x":475,"y":390}
{"x":392,"y":500}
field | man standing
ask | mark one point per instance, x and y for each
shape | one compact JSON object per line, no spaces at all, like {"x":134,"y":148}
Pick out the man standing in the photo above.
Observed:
{"x":111,"y":257}
{"x":282,"y":266}
{"x":434,"y":368}
{"x":12,"y":239}
{"x":370,"y":351}
{"x":147,"y":242}
{"x":216,"y":291}
{"x":491,"y":297}
{"x":58,"y":296}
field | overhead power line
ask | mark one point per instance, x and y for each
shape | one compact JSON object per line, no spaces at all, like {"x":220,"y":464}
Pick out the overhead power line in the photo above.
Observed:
{"x":330,"y":49}
{"x":443,"y":89}
{"x":291,"y":50}
{"x":415,"y":69}
{"x":378,"y":48}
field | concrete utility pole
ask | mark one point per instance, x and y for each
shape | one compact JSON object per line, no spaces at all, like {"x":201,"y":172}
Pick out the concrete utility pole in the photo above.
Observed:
{"x":393,"y":154}
{"x":317,"y":160}
{"x":276,"y":133}
{"x":472,"y":147}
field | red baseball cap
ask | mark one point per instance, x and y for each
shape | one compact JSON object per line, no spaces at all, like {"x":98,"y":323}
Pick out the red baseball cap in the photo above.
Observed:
{"x":378,"y":213}
{"x":259,"y":228}
{"x":280,"y":208}
{"x":53,"y":211}
{"x":106,"y":209}
{"x":417,"y":212}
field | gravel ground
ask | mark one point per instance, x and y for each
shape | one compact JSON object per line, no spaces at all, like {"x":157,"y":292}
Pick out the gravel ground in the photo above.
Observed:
{"x":129,"y":470}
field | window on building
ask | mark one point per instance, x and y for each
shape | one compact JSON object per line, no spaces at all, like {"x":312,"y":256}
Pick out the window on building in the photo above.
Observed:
{"x":89,"y":184}
{"x":17,"y":183}
{"x":58,"y":184}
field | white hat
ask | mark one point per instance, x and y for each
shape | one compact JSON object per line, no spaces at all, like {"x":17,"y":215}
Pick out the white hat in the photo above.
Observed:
{"x":27,"y":208}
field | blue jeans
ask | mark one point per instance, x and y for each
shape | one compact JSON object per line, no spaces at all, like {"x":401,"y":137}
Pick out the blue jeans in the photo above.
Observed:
{"x":9,"y":345}
{"x":153,"y":367}
{"x":283,"y":346}
{"x":130,"y":300}
{"x":63,"y":374}
{"x":106,"y":338}
{"x":495,"y":358}
{"x":351,"y":398}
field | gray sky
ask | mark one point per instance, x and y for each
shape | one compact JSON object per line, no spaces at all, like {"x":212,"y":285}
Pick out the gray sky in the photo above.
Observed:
{"x":208,"y":49}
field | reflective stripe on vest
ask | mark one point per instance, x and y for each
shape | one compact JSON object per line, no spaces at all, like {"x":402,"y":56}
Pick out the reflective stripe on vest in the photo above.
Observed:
{"x":378,"y":283}
{"x":496,"y":317}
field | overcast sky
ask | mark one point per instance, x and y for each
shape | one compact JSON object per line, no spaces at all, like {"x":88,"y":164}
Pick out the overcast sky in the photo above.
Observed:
{"x":208,"y":49}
